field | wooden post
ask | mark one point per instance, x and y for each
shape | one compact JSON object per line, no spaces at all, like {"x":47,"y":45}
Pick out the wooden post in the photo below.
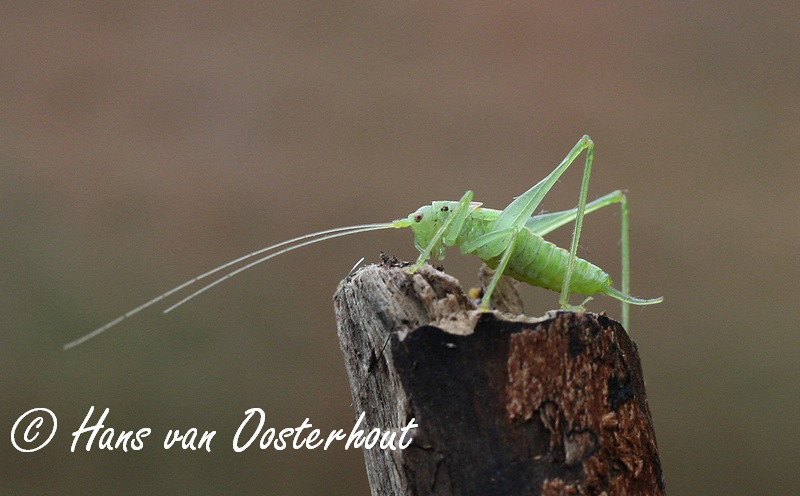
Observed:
{"x":506,"y":404}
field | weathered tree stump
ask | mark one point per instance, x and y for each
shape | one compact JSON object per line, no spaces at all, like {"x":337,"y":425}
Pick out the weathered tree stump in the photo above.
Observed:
{"x":506,"y":404}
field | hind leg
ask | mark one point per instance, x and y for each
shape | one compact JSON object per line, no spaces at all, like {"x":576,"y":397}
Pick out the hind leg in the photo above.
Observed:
{"x":546,"y":223}
{"x":576,"y":234}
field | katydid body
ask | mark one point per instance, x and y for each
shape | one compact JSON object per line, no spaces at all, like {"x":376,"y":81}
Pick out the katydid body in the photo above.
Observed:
{"x":509,"y":240}
{"x":533,"y":259}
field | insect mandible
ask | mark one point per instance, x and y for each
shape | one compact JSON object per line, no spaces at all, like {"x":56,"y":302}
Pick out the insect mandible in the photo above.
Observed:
{"x":509,"y":241}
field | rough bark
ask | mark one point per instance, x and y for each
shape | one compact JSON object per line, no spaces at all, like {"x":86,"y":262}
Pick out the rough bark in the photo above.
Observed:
{"x":506,"y":404}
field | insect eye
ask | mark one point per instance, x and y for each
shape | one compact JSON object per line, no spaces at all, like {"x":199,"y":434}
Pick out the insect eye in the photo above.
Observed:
{"x":417,"y":217}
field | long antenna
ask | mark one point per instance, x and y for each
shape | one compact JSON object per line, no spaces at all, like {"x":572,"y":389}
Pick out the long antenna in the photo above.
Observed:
{"x":273,"y":255}
{"x":342,"y":231}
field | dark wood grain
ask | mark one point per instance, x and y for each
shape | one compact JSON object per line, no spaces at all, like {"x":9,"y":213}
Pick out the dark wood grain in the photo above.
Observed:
{"x":506,"y":404}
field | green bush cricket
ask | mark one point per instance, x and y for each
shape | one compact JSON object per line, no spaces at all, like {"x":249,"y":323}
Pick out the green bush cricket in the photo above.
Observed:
{"x":509,"y":241}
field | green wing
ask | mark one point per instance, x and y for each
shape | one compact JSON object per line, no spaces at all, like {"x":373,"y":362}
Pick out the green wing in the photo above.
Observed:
{"x":545,"y":223}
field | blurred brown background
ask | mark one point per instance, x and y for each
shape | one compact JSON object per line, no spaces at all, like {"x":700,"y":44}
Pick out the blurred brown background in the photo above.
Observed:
{"x":142,"y":143}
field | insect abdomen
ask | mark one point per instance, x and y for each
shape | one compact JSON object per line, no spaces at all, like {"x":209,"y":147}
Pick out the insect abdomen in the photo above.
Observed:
{"x":539,"y":262}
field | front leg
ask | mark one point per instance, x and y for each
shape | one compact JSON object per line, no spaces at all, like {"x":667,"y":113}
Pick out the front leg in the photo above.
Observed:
{"x":454,"y":221}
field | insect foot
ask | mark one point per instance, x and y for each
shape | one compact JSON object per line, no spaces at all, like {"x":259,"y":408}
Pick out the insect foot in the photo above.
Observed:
{"x":576,"y":308}
{"x":573,"y":308}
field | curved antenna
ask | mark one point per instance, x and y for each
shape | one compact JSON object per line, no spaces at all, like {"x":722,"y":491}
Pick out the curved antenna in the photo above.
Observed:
{"x":342,"y":230}
{"x":273,"y":255}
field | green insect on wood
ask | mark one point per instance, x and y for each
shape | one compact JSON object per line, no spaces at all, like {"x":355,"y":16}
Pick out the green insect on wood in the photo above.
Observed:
{"x":509,"y":240}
